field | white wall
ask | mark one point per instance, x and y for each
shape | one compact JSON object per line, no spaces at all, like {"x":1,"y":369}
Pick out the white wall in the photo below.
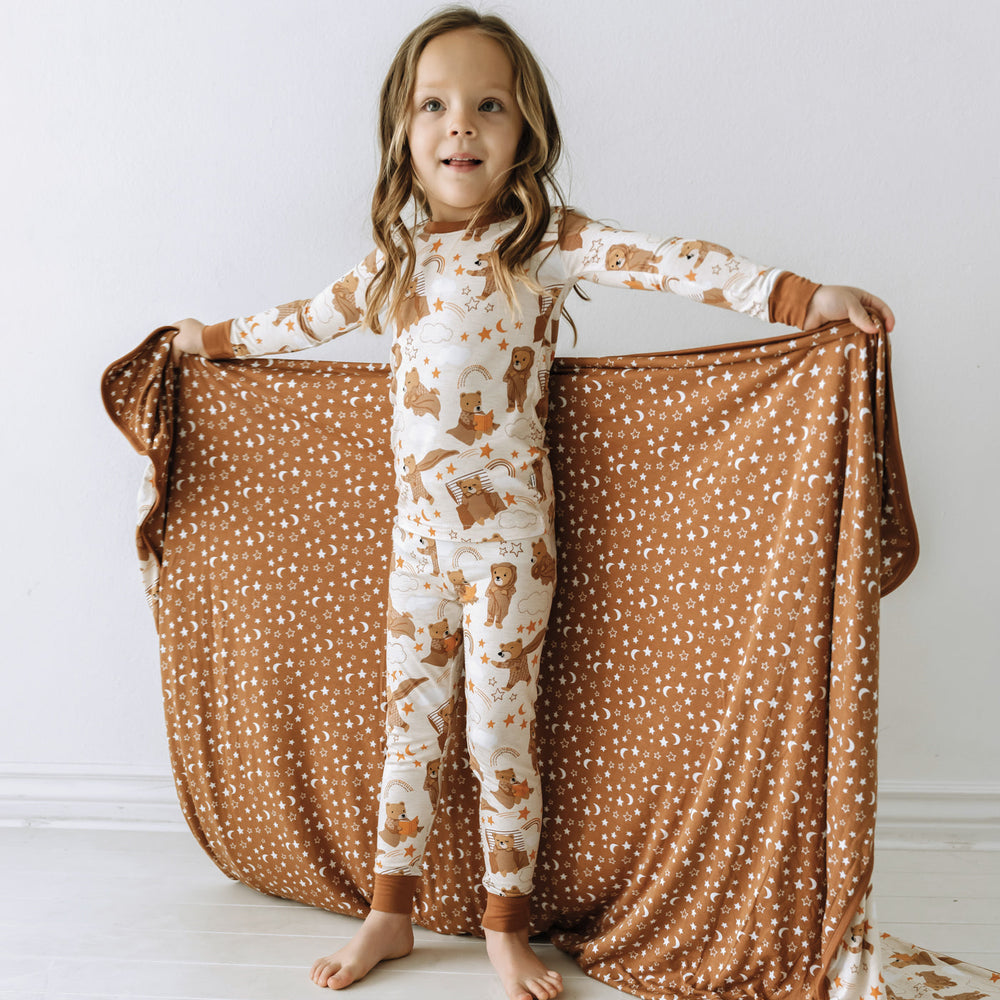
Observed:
{"x":211,"y":158}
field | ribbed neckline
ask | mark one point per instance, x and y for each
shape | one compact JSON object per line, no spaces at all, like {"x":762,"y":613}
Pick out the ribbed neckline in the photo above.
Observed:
{"x":430,"y":226}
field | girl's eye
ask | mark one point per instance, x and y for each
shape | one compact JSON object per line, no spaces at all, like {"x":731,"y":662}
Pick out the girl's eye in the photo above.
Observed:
{"x":433,"y":104}
{"x":491,"y":104}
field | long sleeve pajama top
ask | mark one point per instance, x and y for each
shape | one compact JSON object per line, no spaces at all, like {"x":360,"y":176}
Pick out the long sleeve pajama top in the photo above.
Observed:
{"x":469,"y":377}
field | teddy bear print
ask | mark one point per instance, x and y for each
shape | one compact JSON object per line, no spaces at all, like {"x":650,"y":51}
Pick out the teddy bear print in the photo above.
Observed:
{"x":419,"y":398}
{"x":393,"y":717}
{"x":543,"y":566}
{"x":428,"y":548}
{"x":503,"y":580}
{"x":475,"y":234}
{"x":486,"y":262}
{"x":701,"y":248}
{"x":472,"y":422}
{"x":466,"y":591}
{"x":538,"y":478}
{"x":630,"y":258}
{"x":516,"y":661}
{"x":444,"y":644}
{"x":440,"y":719}
{"x":715,"y":297}
{"x":432,"y":782}
{"x":413,"y":468}
{"x":509,"y":792}
{"x":300,"y":307}
{"x":546,"y":303}
{"x":398,"y":826}
{"x":542,"y":406}
{"x":343,"y":299}
{"x":413,"y":306}
{"x":478,"y":502}
{"x":506,"y":856}
{"x":399,"y":623}
{"x":517,"y":375}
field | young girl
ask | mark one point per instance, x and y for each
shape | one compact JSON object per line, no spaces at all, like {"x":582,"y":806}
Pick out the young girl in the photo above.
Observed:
{"x":472,"y":293}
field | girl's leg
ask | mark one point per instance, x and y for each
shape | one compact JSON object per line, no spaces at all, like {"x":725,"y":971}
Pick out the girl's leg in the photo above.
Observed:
{"x":506,"y":628}
{"x":423,"y":666}
{"x":422,"y":681}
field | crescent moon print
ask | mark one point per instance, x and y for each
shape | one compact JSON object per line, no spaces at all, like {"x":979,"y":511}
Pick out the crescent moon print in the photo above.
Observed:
{"x":706,"y":677}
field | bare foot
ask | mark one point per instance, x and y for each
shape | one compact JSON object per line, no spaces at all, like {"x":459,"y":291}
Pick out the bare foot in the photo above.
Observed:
{"x":381,"y":936}
{"x":522,"y":972}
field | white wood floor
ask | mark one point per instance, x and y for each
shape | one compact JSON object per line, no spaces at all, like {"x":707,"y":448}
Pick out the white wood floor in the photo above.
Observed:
{"x":130,"y":914}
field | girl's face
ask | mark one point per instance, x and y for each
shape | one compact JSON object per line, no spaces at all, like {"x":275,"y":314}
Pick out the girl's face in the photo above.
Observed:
{"x":464,"y":123}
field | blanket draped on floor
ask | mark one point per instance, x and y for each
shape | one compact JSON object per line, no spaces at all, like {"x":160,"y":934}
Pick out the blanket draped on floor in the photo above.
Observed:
{"x":728,"y":519}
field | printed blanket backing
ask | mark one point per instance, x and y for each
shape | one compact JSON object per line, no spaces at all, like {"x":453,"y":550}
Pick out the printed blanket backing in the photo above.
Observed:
{"x":727,"y":521}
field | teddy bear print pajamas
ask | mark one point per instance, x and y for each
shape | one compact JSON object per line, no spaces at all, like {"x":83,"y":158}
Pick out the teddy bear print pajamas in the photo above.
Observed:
{"x":474,"y":560}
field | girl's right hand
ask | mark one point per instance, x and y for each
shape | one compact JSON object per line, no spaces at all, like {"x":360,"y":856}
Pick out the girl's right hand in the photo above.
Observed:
{"x":188,"y":339}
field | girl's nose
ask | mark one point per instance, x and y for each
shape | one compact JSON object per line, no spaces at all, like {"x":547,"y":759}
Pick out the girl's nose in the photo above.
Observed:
{"x":461,"y":125}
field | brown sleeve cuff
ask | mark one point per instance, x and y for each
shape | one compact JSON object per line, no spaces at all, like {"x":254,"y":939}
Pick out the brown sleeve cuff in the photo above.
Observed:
{"x":215,"y":340}
{"x":790,"y":299}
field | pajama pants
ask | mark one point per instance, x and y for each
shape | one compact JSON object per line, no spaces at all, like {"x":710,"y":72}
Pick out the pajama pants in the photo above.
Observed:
{"x":485,"y":606}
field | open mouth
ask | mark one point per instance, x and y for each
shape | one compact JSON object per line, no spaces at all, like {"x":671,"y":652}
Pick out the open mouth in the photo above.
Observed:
{"x":461,"y":161}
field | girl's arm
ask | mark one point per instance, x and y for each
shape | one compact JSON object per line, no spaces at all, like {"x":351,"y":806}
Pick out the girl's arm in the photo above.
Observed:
{"x":294,"y":326}
{"x":709,"y":273}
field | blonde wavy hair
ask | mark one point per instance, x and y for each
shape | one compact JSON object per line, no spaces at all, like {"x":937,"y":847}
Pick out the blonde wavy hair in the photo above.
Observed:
{"x":527,"y":192}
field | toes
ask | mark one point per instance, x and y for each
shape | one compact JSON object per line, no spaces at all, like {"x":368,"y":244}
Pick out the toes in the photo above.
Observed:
{"x":540,"y":989}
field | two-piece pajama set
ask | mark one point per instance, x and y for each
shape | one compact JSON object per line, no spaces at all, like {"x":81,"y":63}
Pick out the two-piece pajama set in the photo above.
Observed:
{"x":474,"y":561}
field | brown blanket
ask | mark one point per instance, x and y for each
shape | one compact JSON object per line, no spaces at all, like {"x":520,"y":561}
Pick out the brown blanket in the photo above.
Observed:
{"x":728,"y":519}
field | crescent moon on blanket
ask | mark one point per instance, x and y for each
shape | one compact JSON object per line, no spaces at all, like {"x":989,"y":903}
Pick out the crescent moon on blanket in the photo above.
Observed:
{"x":737,"y":464}
{"x":695,"y":482}
{"x":618,"y":613}
{"x":861,"y":642}
{"x":850,"y":749}
{"x":760,"y":753}
{"x":781,"y":594}
{"x":796,"y":377}
{"x":795,"y":793}
{"x":848,"y":348}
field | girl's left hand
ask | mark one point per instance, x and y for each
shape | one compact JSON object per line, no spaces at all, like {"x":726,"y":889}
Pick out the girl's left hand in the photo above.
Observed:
{"x":832,"y":302}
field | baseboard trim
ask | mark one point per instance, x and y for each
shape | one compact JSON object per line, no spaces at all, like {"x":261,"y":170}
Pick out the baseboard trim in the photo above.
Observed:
{"x":938,"y":815}
{"x":89,"y":796}
{"x":915,"y":815}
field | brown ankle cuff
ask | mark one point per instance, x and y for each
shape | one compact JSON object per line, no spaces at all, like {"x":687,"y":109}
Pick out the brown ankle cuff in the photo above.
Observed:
{"x":506,"y":913}
{"x":394,"y":893}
